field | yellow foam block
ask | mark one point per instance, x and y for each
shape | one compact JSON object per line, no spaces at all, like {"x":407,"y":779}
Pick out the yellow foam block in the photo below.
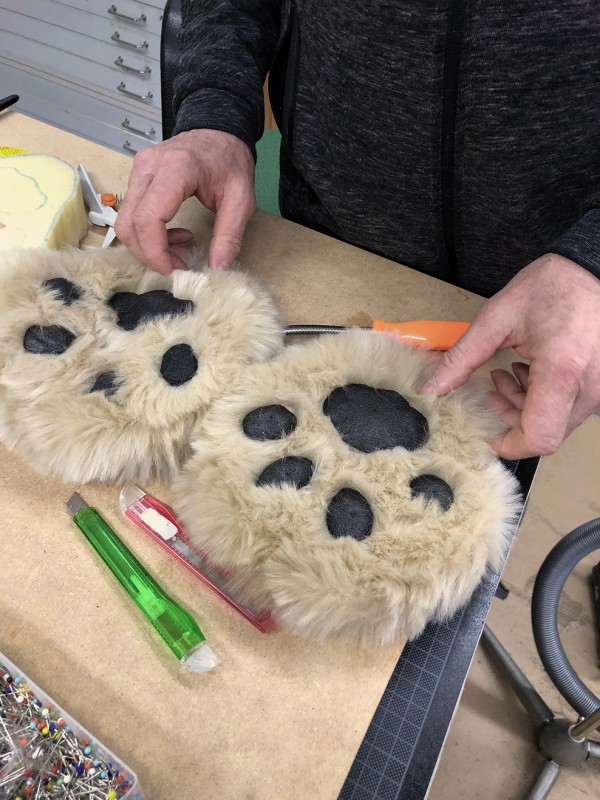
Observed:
{"x":11,"y":151}
{"x":41,"y":204}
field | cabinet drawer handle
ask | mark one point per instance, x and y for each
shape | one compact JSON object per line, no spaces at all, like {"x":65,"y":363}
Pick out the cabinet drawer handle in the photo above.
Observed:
{"x":120,"y":63}
{"x":141,"y":20}
{"x":116,"y":38}
{"x":148,"y":134}
{"x":127,"y":146}
{"x":122,"y":88}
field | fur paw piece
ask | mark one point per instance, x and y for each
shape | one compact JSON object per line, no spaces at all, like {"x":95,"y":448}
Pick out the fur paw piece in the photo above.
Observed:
{"x":355,"y":506}
{"x":105,"y":367}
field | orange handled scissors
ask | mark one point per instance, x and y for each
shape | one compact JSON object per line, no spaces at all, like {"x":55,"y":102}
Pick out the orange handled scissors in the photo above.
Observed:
{"x":430,"y":333}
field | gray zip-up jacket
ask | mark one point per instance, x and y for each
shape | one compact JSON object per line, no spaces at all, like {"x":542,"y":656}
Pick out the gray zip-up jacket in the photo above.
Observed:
{"x":459,"y":137}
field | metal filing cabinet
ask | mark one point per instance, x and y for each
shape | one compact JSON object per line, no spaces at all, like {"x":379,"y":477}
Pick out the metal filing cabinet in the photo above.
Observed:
{"x":91,"y":67}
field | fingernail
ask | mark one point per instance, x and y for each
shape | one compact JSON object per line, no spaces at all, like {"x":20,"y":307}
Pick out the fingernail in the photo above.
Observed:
{"x":433,"y":386}
{"x":222,"y":265}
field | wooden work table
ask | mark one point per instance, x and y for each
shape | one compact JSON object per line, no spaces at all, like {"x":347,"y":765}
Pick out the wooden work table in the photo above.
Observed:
{"x":281,"y":717}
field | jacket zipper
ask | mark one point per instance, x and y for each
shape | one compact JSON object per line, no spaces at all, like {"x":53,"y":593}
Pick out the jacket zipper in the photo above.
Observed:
{"x":452,"y":56}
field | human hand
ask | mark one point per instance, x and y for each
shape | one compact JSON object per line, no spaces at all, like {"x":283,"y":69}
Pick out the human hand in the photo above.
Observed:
{"x":550,"y":314}
{"x":215,"y":167}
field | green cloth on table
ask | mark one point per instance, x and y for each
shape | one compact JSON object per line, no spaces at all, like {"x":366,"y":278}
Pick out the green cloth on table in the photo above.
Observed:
{"x":266,"y":184}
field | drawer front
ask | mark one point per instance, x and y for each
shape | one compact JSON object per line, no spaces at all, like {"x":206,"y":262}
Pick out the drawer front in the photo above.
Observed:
{"x":52,"y":12}
{"x":82,"y":126}
{"x":107,"y":39}
{"x":30,"y":79}
{"x":120,"y":83}
{"x":142,"y":16}
{"x":132,"y":8}
{"x":80,"y":113}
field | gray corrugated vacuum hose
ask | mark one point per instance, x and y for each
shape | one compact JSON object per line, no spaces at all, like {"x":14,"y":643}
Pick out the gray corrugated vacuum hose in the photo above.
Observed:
{"x":551,"y":578}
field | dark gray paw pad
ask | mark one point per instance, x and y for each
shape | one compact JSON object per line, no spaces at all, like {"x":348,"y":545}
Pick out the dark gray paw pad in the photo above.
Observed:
{"x":349,"y":514}
{"x":269,"y":422}
{"x":64,"y":290}
{"x":293,"y":469}
{"x":371,"y":419}
{"x":106,"y":382}
{"x":133,"y":309}
{"x":49,"y":340}
{"x":179,"y":365}
{"x":433,"y":488}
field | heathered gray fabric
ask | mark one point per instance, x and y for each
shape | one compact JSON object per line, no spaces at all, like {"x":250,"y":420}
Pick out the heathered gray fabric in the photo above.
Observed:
{"x":580,"y":243}
{"x":362,"y":138}
{"x":226,"y":51}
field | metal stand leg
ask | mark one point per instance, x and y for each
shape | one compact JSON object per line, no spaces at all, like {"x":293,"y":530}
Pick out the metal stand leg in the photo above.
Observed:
{"x":593,"y":749}
{"x":561,"y":743}
{"x":537,"y":709}
{"x":545,"y":781}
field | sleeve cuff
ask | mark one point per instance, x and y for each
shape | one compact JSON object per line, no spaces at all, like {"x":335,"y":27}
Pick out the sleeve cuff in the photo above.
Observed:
{"x":222,"y":111}
{"x":581,"y":243}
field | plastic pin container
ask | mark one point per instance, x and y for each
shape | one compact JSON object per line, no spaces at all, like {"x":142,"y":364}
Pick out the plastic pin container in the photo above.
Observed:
{"x":38,"y":759}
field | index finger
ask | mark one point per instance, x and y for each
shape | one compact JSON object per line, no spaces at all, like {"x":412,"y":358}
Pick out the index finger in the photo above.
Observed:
{"x":484,"y":336}
{"x":159,"y":204}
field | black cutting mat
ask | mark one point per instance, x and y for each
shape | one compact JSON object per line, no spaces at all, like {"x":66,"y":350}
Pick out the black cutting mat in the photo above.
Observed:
{"x":398,"y":755}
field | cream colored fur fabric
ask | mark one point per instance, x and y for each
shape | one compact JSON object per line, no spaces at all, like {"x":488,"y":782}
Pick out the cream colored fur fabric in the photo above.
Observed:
{"x":319,"y":476}
{"x":373,"y":541}
{"x":112,"y":392}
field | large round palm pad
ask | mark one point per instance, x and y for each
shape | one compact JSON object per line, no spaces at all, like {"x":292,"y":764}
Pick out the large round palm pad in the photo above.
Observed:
{"x":353,"y":504}
{"x":105,"y":367}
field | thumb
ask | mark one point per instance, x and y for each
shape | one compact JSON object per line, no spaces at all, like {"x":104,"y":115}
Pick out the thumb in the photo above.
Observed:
{"x":479,"y":343}
{"x":232,"y":215}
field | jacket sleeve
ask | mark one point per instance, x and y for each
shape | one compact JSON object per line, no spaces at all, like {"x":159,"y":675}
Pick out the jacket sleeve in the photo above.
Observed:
{"x":581,"y":243}
{"x":226,"y":49}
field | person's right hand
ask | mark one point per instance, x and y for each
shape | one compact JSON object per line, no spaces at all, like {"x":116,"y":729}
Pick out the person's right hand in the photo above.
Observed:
{"x":215,"y":167}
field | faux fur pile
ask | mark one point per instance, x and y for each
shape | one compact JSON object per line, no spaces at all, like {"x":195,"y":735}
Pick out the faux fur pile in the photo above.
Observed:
{"x":421,"y":561}
{"x":101,"y":409}
{"x":318,"y":475}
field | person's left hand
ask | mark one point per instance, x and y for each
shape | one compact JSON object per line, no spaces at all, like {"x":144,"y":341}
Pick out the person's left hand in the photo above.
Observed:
{"x":550,"y":314}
